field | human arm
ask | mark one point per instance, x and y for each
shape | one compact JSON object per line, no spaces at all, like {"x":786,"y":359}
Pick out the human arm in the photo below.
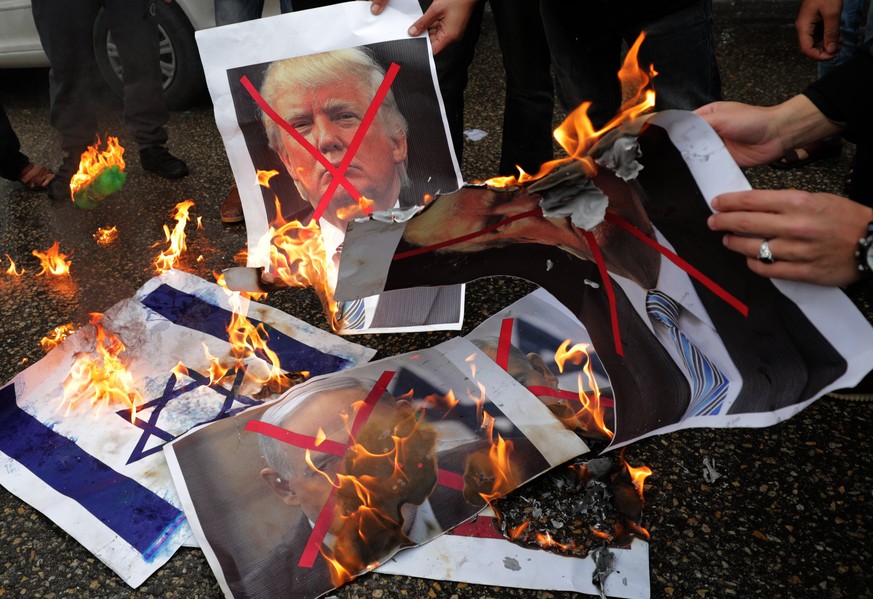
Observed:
{"x":815,"y":14}
{"x":757,"y":134}
{"x":813,"y":236}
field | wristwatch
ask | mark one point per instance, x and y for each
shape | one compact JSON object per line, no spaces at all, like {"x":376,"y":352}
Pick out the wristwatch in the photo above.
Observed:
{"x":864,"y":253}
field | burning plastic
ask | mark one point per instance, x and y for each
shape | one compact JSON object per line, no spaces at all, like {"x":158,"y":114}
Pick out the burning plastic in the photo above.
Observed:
{"x":101,"y":173}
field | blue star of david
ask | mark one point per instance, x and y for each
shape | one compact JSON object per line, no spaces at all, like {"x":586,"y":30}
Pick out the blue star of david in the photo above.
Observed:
{"x":150,"y":428}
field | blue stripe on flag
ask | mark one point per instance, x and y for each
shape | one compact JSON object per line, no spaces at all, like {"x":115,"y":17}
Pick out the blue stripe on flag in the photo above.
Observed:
{"x":192,"y":312}
{"x":133,"y":512}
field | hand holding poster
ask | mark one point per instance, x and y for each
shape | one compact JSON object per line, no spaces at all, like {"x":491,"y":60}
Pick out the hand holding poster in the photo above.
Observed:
{"x":326,"y":124}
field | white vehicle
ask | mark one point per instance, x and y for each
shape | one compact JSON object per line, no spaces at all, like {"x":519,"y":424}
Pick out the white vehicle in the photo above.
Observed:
{"x":180,"y":61}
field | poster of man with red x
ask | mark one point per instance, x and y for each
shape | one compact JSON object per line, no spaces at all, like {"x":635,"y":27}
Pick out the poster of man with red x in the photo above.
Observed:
{"x":331,"y":127}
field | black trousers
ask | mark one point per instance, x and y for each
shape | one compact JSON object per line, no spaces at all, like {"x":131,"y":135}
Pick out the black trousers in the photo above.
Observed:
{"x":12,"y":161}
{"x":66,"y":31}
{"x":529,"y":97}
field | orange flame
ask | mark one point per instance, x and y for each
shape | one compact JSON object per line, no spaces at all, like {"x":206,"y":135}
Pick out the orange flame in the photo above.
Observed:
{"x":576,"y":135}
{"x":12,"y":268}
{"x":248,"y":340}
{"x":363,"y":207}
{"x":546,"y":541}
{"x":516,"y":531}
{"x":57,"y":334}
{"x":591,"y":416}
{"x":53,"y":261}
{"x":265,"y":176}
{"x":216,"y":370}
{"x":297,"y":257}
{"x":94,"y":161}
{"x":100,"y":376}
{"x":574,"y":354}
{"x":504,"y":480}
{"x":105,"y":236}
{"x":638,"y":476}
{"x":176,"y":238}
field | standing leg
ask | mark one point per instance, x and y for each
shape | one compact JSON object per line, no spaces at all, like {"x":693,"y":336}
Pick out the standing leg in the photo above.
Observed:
{"x":452,"y":65}
{"x":65,"y":31}
{"x":585,"y":43}
{"x":135,"y":33}
{"x":237,"y":11}
{"x":12,"y":161}
{"x":527,"y":115}
{"x":681,"y":46}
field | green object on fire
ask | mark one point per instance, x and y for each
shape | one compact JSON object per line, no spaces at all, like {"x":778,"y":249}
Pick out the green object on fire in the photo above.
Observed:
{"x":110,"y":180}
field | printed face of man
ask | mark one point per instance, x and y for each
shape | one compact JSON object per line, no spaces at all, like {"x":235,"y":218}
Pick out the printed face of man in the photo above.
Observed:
{"x":474,"y":209}
{"x":328,"y":117}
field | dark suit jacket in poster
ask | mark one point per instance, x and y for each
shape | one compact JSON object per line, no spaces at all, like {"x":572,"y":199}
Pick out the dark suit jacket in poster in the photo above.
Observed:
{"x":783,"y":358}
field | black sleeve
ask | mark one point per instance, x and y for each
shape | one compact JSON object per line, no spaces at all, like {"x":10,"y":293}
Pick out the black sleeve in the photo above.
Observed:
{"x":845,"y":94}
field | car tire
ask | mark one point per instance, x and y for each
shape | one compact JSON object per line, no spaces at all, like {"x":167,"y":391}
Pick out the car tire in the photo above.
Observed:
{"x":183,"y":79}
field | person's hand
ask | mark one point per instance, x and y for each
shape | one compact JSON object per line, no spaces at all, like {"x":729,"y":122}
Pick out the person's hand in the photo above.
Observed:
{"x":818,"y":28}
{"x":758,"y":135}
{"x":377,"y":6}
{"x":812,"y":236}
{"x":745,"y":130}
{"x":445,"y":22}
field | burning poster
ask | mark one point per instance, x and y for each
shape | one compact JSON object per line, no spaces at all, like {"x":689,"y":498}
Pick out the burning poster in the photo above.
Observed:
{"x":299,"y":496}
{"x":545,"y":348}
{"x":687,"y":334}
{"x":476,"y":552}
{"x":81,"y":431}
{"x":325,"y":124}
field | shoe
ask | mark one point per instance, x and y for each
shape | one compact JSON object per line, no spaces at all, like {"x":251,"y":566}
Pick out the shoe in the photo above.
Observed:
{"x":231,"y":207}
{"x":862,"y":392}
{"x":59,"y":187}
{"x":819,"y":150}
{"x":158,"y":160}
{"x":36,"y":177}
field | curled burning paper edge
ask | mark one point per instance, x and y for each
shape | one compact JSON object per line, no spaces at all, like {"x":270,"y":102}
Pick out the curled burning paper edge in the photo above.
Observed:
{"x":393,"y":215}
{"x":580,"y":199}
{"x":621,"y":157}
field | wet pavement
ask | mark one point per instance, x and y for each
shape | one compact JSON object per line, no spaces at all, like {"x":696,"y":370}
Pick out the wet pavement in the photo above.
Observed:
{"x":789,"y":518}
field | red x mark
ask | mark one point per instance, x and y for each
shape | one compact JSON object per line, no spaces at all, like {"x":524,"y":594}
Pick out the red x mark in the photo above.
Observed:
{"x":338,"y":172}
{"x":717,"y":289}
{"x":325,"y":517}
{"x":503,"y":343}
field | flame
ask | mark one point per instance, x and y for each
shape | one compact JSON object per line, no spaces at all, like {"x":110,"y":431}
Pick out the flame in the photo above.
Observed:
{"x":516,"y":531}
{"x":265,"y":176}
{"x":576,"y":135}
{"x":297,"y":257}
{"x":12,"y":268}
{"x":574,"y":354}
{"x":363,"y":207}
{"x":602,"y":534}
{"x":53,"y":261}
{"x":247,"y":341}
{"x":180,"y":370}
{"x":94,"y":161}
{"x":638,"y":476}
{"x":504,"y":480}
{"x":105,"y":236}
{"x":176,"y":238}
{"x":57,"y":334}
{"x":546,"y":541}
{"x":100,"y":376}
{"x":216,"y":370}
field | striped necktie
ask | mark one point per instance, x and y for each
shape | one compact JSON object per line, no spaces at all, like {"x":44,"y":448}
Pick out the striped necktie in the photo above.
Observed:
{"x":709,"y":385}
{"x":352,"y":314}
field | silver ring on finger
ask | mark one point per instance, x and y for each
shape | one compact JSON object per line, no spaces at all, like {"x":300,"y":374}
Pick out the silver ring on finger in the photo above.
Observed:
{"x":764,"y":253}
